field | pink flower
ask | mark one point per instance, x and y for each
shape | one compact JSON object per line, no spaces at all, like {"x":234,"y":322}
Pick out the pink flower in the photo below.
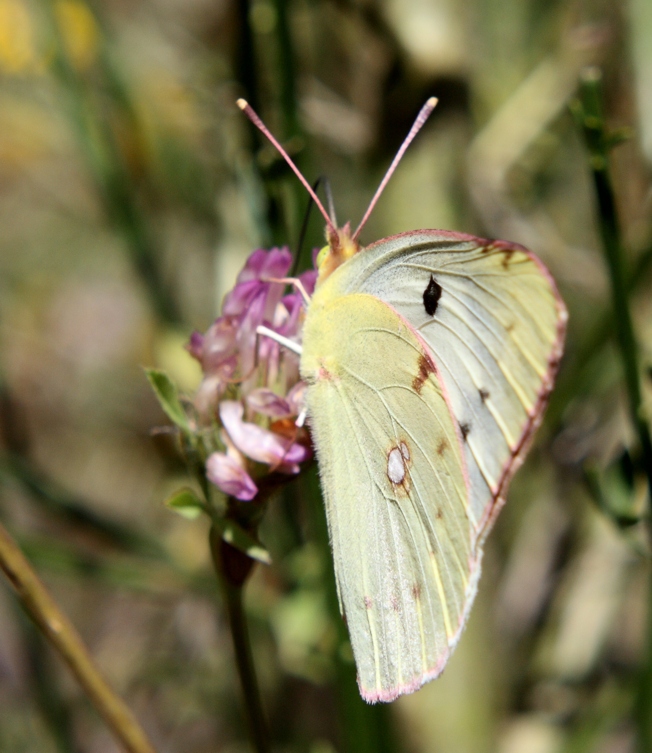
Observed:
{"x":256,"y":374}
{"x":254,"y":299}
{"x":229,"y":476}
{"x":268,"y":403}
{"x":259,"y":444}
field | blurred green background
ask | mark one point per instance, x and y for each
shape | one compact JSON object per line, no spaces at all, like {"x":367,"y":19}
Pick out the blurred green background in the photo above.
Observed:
{"x":131,"y":192}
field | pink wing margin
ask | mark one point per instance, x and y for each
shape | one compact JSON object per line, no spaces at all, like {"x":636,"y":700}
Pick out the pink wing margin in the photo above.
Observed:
{"x":547,"y":384}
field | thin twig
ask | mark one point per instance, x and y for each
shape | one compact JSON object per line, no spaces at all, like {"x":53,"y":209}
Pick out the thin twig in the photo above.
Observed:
{"x":63,"y":636}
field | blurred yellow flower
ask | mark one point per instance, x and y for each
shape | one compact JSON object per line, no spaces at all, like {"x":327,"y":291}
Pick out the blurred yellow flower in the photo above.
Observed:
{"x":79,"y":31}
{"x":18,"y":52}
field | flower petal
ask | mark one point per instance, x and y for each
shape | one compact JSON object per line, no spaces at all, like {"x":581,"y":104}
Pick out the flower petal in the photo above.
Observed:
{"x":296,"y":398}
{"x":309,"y":279}
{"x":264,"y":264}
{"x":268,"y":403}
{"x":195,"y":345}
{"x":260,"y":444}
{"x":229,"y":476}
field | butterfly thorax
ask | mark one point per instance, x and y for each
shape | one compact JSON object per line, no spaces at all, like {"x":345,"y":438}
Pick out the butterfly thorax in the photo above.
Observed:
{"x":341,"y":247}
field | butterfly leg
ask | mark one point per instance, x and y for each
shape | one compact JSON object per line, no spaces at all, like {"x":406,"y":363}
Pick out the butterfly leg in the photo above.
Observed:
{"x":294,"y":281}
{"x":284,"y":341}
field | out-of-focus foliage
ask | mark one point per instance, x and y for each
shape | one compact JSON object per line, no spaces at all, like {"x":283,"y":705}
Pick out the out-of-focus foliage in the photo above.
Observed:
{"x":131,"y":192}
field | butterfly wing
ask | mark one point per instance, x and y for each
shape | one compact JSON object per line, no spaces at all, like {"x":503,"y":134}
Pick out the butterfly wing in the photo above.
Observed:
{"x":494,"y":325}
{"x":390,"y":458}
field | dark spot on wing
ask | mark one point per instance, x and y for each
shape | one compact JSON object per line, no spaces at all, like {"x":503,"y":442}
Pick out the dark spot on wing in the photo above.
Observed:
{"x":367,"y":602}
{"x":439,"y":514}
{"x":416,"y":591}
{"x":441,"y":447}
{"x":484,"y":394}
{"x":465,"y":428}
{"x":425,"y":369}
{"x":394,"y":603}
{"x":431,"y":296}
{"x":507,"y":256}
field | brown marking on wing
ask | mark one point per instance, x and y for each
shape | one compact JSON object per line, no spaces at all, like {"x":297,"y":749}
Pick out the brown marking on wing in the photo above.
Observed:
{"x":507,"y":257}
{"x":442,"y":447}
{"x":426,"y":368}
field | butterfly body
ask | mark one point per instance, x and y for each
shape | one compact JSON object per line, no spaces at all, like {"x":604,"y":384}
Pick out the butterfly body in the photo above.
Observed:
{"x":428,"y":357}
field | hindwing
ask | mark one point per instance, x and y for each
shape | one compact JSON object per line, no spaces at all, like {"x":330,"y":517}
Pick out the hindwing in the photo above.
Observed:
{"x":396,"y":495}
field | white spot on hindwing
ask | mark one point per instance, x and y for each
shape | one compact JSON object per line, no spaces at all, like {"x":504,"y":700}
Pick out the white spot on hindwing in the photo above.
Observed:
{"x":396,"y":466}
{"x":398,"y":462}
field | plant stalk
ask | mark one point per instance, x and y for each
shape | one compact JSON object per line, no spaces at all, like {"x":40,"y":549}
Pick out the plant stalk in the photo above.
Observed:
{"x":593,"y":124}
{"x":233,"y":567}
{"x":589,"y":111}
{"x":63,"y":636}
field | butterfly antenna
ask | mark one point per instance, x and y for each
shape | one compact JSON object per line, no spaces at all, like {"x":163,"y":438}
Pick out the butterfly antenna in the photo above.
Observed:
{"x":250,"y":113}
{"x":421,"y":118}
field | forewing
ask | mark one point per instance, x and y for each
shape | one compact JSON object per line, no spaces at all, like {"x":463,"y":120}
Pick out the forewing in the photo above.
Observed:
{"x":391,"y":464}
{"x":494,"y":324}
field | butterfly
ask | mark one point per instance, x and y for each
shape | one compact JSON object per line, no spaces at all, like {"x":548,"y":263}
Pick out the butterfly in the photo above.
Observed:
{"x":429,"y":357}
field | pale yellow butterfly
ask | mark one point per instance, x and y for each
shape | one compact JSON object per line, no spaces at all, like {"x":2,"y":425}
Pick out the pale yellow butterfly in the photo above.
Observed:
{"x":429,"y":357}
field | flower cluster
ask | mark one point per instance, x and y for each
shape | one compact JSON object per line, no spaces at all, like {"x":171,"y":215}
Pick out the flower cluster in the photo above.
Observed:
{"x":251,"y":385}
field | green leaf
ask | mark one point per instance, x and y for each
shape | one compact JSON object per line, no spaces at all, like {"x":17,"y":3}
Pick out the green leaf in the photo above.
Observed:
{"x":166,"y":392}
{"x":235,"y":535}
{"x":186,"y":503}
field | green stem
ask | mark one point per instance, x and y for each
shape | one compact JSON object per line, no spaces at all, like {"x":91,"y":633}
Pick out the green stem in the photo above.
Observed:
{"x":593,"y":124}
{"x":108,"y":166}
{"x":233,"y":568}
{"x":63,"y":636}
{"x":572,"y":381}
{"x":590,"y":114}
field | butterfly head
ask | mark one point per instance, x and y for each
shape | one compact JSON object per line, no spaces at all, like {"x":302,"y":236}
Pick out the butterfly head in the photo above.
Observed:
{"x":341,"y":247}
